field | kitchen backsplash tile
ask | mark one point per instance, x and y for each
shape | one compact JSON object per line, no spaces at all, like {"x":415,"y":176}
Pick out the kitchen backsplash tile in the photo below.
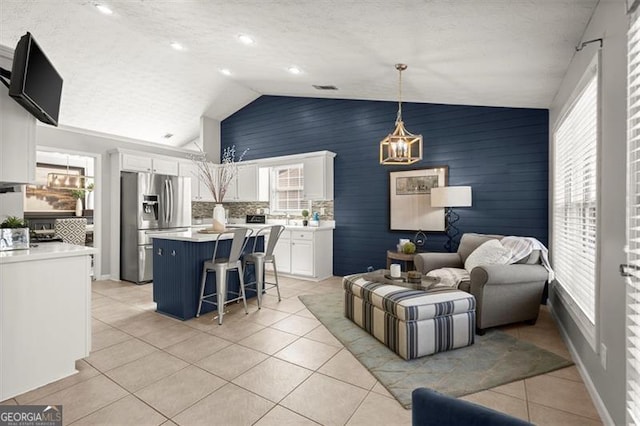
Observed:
{"x":204,"y":210}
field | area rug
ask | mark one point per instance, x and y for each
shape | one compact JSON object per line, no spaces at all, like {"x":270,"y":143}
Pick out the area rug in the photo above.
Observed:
{"x":494,"y":359}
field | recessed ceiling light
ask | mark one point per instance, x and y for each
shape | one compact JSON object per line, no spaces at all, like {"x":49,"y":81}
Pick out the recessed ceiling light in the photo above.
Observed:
{"x":225,"y":71}
{"x":177,"y":45}
{"x":294,"y":70}
{"x":104,"y":9}
{"x":245,"y":39}
{"x":168,"y":135}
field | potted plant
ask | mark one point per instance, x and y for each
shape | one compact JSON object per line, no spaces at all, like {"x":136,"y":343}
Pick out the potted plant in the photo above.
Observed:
{"x":305,"y":217}
{"x":14,"y":234}
{"x":78,"y":195}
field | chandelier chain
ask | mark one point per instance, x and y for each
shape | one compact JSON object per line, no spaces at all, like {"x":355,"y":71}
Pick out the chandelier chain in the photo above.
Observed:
{"x":399,"y":117}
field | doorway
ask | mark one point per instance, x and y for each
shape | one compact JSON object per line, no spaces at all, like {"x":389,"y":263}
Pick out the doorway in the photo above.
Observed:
{"x":68,"y":184}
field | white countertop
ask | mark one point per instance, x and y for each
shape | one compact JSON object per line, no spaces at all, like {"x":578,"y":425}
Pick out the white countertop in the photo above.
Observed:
{"x":324,"y":226}
{"x":191,"y":235}
{"x":195,"y":236}
{"x":45,"y":251}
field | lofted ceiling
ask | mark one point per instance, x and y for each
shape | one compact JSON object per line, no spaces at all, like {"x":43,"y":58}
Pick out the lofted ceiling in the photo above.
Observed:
{"x":122,"y":77}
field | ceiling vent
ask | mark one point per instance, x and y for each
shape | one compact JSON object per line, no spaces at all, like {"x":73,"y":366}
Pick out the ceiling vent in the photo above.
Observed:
{"x":329,"y":87}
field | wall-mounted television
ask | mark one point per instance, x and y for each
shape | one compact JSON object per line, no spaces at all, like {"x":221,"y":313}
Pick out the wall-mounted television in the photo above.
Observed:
{"x":35,"y":83}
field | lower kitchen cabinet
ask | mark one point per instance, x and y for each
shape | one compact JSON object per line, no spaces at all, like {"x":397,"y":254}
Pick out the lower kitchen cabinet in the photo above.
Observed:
{"x":282,"y":252}
{"x":305,"y":254}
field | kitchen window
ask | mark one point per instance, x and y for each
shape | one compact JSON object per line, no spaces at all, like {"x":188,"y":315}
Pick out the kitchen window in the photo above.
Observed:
{"x":287,"y":189}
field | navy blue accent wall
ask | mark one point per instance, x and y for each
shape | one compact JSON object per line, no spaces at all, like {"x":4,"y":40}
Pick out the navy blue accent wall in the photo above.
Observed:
{"x":502,"y":153}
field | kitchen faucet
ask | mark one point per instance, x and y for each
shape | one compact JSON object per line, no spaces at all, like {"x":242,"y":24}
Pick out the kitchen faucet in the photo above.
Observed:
{"x":287,"y":217}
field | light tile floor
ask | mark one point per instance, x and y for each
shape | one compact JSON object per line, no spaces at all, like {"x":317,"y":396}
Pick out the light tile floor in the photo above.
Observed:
{"x":278,"y":365}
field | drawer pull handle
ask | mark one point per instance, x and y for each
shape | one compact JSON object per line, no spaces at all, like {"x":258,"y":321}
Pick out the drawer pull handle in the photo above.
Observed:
{"x":173,"y":252}
{"x":159,"y":252}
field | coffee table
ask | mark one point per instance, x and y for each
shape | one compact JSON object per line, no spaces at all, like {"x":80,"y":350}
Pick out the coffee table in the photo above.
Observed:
{"x":383,"y":276}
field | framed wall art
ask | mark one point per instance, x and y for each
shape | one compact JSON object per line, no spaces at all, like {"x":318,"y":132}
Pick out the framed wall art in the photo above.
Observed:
{"x":41,"y":198}
{"x":410,"y":199}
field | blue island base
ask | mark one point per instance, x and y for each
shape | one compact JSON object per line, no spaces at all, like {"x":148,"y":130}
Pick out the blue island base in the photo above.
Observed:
{"x":177,"y":271}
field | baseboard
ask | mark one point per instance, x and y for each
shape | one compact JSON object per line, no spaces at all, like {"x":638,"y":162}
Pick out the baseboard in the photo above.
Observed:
{"x":595,"y":396}
{"x":299,"y":277}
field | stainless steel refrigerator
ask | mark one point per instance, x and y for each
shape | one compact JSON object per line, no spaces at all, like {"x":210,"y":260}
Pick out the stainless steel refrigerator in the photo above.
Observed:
{"x":149,"y":204}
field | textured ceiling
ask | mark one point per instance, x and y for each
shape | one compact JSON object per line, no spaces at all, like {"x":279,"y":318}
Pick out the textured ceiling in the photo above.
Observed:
{"x":122,"y":77}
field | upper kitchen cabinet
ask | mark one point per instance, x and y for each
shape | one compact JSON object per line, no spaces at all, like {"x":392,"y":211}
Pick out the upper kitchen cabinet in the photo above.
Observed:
{"x":146,"y":164}
{"x":17,"y":143}
{"x":245,"y":186}
{"x":318,"y":176}
{"x":199,"y":191}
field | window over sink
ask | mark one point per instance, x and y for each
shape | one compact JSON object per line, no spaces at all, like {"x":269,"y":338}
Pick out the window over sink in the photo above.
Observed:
{"x":287,"y":189}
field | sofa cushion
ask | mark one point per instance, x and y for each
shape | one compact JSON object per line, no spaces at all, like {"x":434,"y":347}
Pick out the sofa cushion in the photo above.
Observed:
{"x":449,"y":277}
{"x":469,"y":242}
{"x":489,"y":253}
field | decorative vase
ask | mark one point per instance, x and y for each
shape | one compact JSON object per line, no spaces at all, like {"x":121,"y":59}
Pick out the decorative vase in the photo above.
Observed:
{"x":219,"y":221}
{"x":78,"y":207}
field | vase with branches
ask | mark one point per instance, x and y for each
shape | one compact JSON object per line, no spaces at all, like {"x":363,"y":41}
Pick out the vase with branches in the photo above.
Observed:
{"x":217,"y":178}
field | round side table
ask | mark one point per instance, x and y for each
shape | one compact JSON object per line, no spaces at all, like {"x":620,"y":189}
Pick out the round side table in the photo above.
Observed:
{"x":407,"y":259}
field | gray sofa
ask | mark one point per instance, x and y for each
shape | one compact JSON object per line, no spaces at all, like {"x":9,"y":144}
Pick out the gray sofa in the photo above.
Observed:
{"x":504,"y":294}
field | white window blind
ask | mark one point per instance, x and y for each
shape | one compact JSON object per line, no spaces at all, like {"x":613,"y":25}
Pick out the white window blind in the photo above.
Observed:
{"x":633,"y":225}
{"x":575,"y":204}
{"x":288,"y":187}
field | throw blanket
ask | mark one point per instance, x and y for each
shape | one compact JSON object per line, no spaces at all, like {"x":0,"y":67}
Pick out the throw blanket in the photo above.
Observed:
{"x":449,"y":277}
{"x":522,"y":247}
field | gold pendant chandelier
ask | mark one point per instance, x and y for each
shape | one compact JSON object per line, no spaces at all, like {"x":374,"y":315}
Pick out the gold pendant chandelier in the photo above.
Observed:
{"x":401,"y":146}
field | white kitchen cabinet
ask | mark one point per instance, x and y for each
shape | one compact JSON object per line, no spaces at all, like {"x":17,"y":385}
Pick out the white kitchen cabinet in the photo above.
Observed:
{"x":45,"y":315}
{"x":245,"y":185}
{"x":305,"y":253}
{"x":318,"y":176}
{"x":199,"y":191}
{"x":302,"y":259}
{"x":135,"y":163}
{"x":282,"y":253}
{"x":17,"y":143}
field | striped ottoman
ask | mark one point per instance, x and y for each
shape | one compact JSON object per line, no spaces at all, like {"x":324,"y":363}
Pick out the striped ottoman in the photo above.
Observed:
{"x":412,"y":323}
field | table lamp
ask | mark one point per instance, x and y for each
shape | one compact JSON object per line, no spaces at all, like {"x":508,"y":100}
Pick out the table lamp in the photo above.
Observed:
{"x":449,"y":197}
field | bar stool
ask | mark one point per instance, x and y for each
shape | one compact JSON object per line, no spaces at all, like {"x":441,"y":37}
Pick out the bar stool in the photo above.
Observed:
{"x":221,"y":266}
{"x":260,"y":258}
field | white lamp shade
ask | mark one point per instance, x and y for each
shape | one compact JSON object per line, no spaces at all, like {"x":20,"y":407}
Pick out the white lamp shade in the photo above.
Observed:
{"x":451,"y":196}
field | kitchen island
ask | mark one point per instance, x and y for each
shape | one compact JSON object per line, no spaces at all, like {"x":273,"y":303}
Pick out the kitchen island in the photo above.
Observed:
{"x":45,"y":314}
{"x":177,"y":269}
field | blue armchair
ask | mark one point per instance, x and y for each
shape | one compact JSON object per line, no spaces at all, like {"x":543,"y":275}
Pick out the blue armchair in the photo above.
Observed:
{"x":430,"y":408}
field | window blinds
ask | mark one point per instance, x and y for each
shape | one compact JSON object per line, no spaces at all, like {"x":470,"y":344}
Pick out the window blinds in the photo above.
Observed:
{"x":633,"y":224}
{"x":289,"y":188}
{"x":575,"y":204}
